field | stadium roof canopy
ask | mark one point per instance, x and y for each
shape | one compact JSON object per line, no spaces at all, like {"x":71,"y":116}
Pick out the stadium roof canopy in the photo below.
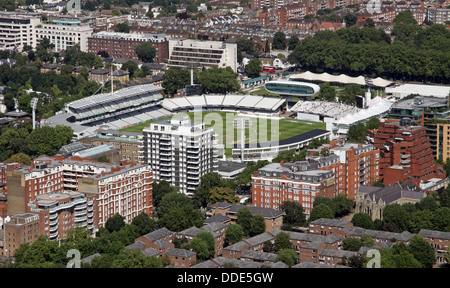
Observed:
{"x":117,"y":95}
{"x":342,"y":79}
{"x":233,"y":101}
{"x":377,"y":107}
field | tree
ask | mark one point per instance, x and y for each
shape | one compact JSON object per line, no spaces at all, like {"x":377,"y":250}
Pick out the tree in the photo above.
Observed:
{"x":208,"y":239}
{"x":175,"y":78}
{"x":144,"y":224}
{"x":294,"y":213}
{"x":321,"y":211}
{"x":422,"y":251}
{"x":44,"y":141}
{"x":131,"y":66}
{"x":223,"y":194}
{"x":258,"y":225}
{"x":160,"y":190}
{"x":253,"y":68}
{"x":287,"y":256}
{"x":219,"y":80}
{"x":351,"y":244}
{"x":395,"y":218}
{"x":350,"y":19}
{"x":145,"y":52}
{"x":282,"y":241}
{"x":398,"y":257}
{"x":279,"y":41}
{"x":233,"y":234}
{"x":122,"y":28}
{"x":180,"y":218}
{"x":244,"y":219}
{"x":342,"y":205}
{"x":428,"y":203}
{"x":20,"y":158}
{"x":172,"y":200}
{"x":202,"y":194}
{"x":40,"y":254}
{"x":115,"y":223}
{"x":363,"y":220}
{"x":293,"y":42}
{"x":135,"y":259}
{"x":327,"y":92}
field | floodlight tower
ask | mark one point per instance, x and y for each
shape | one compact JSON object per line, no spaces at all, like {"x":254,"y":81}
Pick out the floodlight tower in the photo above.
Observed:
{"x":33,"y":105}
{"x":242,"y":124}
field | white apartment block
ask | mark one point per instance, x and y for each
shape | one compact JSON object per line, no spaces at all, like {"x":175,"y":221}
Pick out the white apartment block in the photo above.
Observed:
{"x":17,"y":30}
{"x":207,"y":54}
{"x":20,"y":29}
{"x":438,"y":15}
{"x":65,"y":34}
{"x":179,"y":151}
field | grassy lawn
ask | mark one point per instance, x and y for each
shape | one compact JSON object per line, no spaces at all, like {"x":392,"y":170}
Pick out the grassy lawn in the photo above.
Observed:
{"x":262,"y":92}
{"x":261,"y":129}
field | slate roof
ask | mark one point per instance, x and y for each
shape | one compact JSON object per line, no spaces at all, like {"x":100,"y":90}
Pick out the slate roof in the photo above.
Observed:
{"x":330,"y":222}
{"x":182,"y":253}
{"x":136,"y":245}
{"x":317,"y":265}
{"x":158,"y":234}
{"x":358,"y":232}
{"x":391,"y":193}
{"x":435,"y":234}
{"x":234,"y":208}
{"x":89,"y":259}
{"x":260,"y":256}
{"x":237,"y":246}
{"x":217,"y":218}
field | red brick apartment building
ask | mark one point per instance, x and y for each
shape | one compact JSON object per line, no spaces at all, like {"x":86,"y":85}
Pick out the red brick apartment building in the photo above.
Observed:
{"x":341,"y":173}
{"x":68,"y":192}
{"x":123,"y":45}
{"x":300,"y":182}
{"x":405,"y":152}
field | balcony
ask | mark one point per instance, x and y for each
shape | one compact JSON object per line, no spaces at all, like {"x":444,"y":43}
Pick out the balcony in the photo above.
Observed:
{"x":165,"y":174}
{"x":165,"y":153}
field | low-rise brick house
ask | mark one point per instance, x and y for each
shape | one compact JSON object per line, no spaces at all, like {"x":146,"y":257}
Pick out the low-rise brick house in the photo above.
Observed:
{"x":379,"y":237}
{"x":260,"y":257}
{"x":218,"y":230}
{"x":439,"y":240}
{"x":235,"y":250}
{"x":181,"y":258}
{"x":160,"y":240}
{"x":273,"y":218}
{"x":324,"y":226}
{"x":256,"y":243}
{"x":334,"y":256}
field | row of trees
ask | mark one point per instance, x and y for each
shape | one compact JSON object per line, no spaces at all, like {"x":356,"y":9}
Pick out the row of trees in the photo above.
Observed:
{"x":418,"y":253}
{"x":416,"y":53}
{"x":22,"y":142}
{"x":110,"y":243}
{"x":214,"y":80}
{"x":432,"y":213}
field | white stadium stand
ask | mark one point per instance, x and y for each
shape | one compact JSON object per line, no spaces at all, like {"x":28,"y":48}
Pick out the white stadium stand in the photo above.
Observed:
{"x":234,"y":102}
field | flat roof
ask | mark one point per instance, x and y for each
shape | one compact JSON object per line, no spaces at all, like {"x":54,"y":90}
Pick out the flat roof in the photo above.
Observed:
{"x":291,"y":140}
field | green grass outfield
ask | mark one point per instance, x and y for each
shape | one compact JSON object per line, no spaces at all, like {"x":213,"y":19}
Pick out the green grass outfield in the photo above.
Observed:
{"x":261,"y":129}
